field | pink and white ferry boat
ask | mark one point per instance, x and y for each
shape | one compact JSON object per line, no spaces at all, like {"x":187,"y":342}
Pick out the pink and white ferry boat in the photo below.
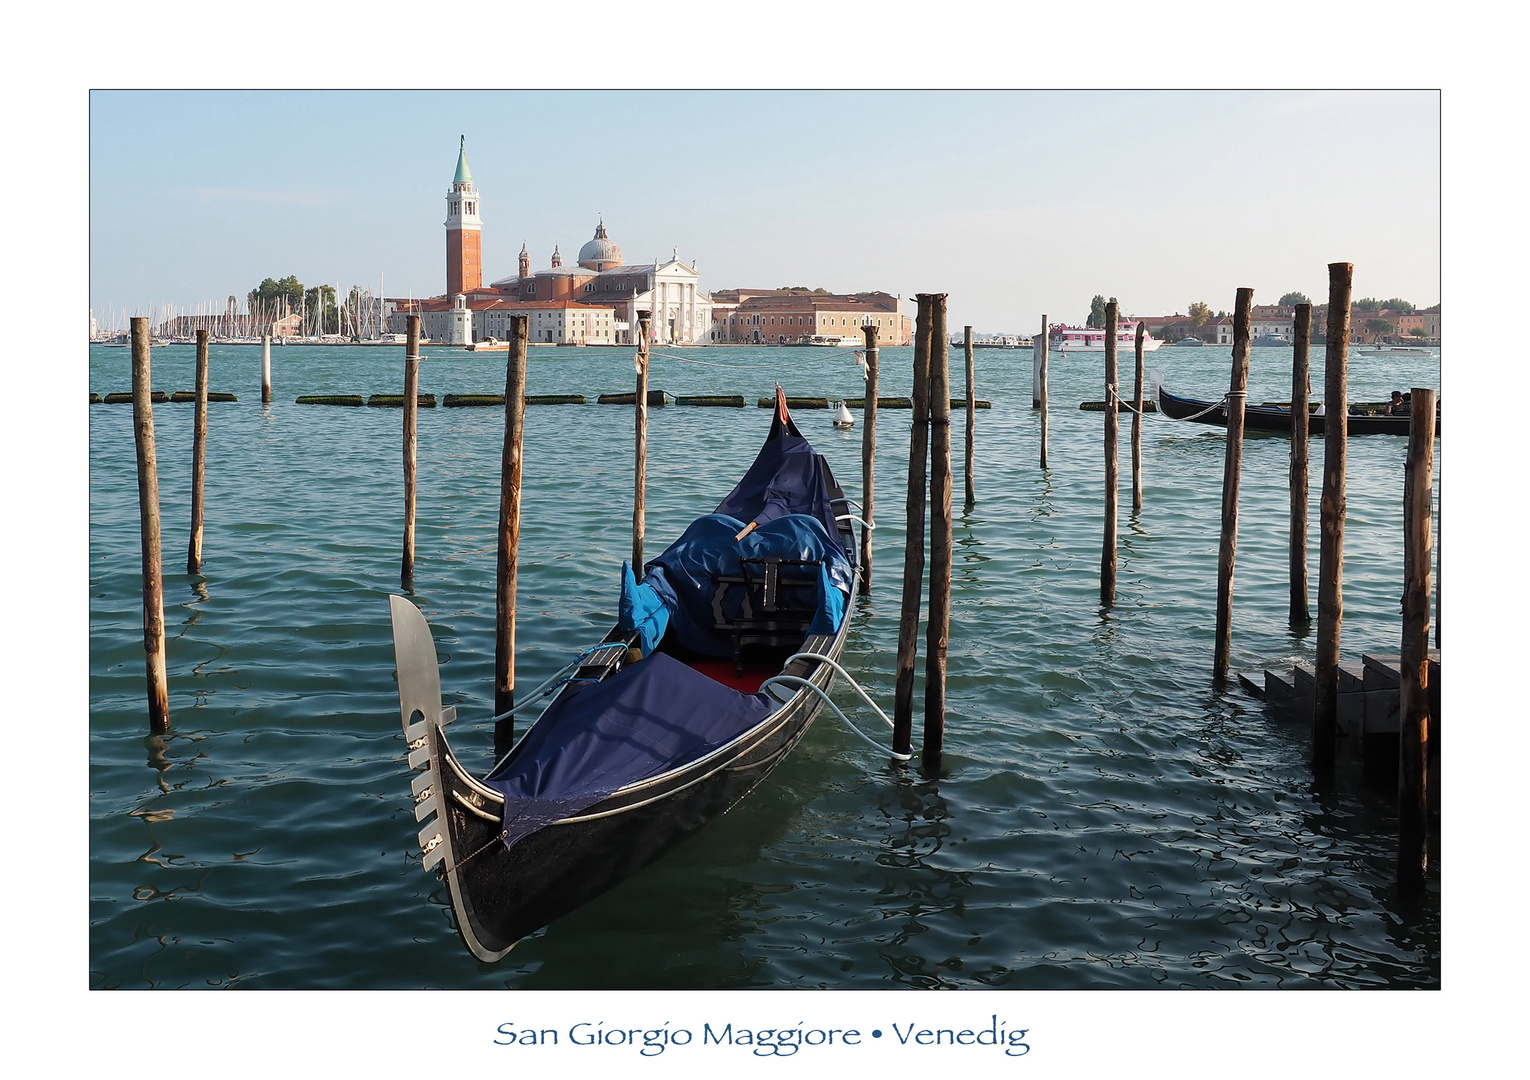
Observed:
{"x":1092,"y":339}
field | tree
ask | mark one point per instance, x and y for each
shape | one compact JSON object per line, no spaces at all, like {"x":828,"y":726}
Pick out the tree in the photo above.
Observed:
{"x":1200,"y":314}
{"x":269,"y":295}
{"x":321,"y":309}
{"x":1418,"y":331}
{"x":1369,"y":303}
{"x":1291,"y":299}
{"x":1378,"y":326}
{"x":1097,"y":311}
{"x":1399,"y":305}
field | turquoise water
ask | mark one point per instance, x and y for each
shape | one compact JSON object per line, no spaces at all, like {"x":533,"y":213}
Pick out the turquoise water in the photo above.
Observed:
{"x":1102,"y":818}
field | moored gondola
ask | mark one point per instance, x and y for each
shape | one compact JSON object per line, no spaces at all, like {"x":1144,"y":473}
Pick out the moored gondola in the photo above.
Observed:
{"x":721,"y":657}
{"x":1274,"y":418}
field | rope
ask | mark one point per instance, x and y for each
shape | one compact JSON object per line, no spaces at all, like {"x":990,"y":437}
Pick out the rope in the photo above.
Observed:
{"x":1111,"y":390}
{"x":792,"y":680}
{"x":703,"y":363}
{"x":558,"y":677}
{"x":1213,"y":407}
{"x":822,"y":659}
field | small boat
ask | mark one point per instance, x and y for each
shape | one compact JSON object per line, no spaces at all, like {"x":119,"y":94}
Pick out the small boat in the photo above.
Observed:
{"x":719,"y":661}
{"x":843,"y":419}
{"x":1190,"y":342}
{"x":1393,"y":350}
{"x":1270,"y":341}
{"x":1092,"y":339}
{"x":1363,"y":420}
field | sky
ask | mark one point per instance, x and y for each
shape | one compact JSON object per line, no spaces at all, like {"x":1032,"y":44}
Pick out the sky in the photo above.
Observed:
{"x":1013,"y":203}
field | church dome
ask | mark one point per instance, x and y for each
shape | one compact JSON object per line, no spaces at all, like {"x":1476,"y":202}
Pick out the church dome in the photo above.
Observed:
{"x":600,"y":253}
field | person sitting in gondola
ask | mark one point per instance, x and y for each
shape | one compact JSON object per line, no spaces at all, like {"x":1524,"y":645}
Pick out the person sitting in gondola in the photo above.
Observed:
{"x":1395,"y":407}
{"x":1406,"y":408}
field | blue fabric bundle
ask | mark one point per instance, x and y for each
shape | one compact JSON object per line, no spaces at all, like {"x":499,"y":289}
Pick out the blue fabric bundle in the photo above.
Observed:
{"x":597,"y":738}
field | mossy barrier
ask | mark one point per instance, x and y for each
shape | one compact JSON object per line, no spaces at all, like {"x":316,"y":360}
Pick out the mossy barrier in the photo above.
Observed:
{"x":961,"y":403}
{"x":125,"y":397}
{"x":655,"y":399}
{"x":882,"y":403}
{"x":556,"y":399}
{"x":351,"y":400}
{"x":472,"y":401}
{"x":95,"y":399}
{"x":396,"y":401}
{"x":722,"y":401}
{"x":1099,"y":406}
{"x":796,"y":403}
{"x":212,"y":395}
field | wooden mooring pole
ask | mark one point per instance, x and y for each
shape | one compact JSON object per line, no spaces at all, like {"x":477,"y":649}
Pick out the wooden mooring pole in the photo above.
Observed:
{"x":198,"y":458}
{"x":509,"y":536}
{"x":265,"y":367}
{"x":1041,"y":345}
{"x":640,"y":445}
{"x":938,"y":631}
{"x":971,"y":418}
{"x":1325,"y":704}
{"x":868,"y":452}
{"x":1232,"y":479}
{"x":913,"y":546}
{"x":1414,"y":693}
{"x":148,"y":518}
{"x":411,"y":443}
{"x":1301,"y":394}
{"x":1137,"y":426}
{"x":1112,"y":476}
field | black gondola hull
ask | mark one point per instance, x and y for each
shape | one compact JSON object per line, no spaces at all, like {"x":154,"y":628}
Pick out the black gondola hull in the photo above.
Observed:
{"x":1277,"y":420}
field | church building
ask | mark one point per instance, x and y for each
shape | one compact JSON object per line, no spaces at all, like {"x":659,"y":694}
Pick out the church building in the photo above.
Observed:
{"x":593,"y":302}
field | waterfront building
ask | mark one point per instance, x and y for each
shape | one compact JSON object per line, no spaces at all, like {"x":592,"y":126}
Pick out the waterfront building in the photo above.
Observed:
{"x":464,"y":231}
{"x":788,"y":316}
{"x":549,"y":322}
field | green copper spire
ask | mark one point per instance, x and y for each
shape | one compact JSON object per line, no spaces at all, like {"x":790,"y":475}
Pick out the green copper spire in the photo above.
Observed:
{"x":463,"y":175}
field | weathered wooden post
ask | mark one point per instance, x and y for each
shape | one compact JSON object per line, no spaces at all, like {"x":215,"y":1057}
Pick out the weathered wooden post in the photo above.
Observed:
{"x":411,"y":441}
{"x":265,"y":367}
{"x":1415,"y":721}
{"x":938,"y":631}
{"x":1112,"y":477}
{"x":509,"y":536}
{"x":971,"y":416}
{"x":913,"y":547}
{"x":198,"y":458}
{"x":1332,"y":511}
{"x":868,"y":452}
{"x":1232,"y":479}
{"x":1137,"y":426}
{"x":640,"y":443}
{"x":1041,"y":345}
{"x":1301,"y":394}
{"x":148,"y":518}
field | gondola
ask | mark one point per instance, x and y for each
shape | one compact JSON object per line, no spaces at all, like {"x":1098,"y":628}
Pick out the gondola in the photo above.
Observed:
{"x":662,"y":726}
{"x":1276,"y":419}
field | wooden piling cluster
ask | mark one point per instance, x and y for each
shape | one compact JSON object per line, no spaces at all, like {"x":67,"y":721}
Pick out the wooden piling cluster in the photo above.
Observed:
{"x":1112,"y":479}
{"x":1232,"y":480}
{"x":1331,"y":551}
{"x":507,"y":558}
{"x":938,"y":629}
{"x":411,"y":444}
{"x":149,"y":534}
{"x":913,"y":549}
{"x":1415,"y":721}
{"x":198,"y":458}
{"x":971,"y":417}
{"x":1301,"y":393}
{"x":640,"y":445}
{"x":868,"y":453}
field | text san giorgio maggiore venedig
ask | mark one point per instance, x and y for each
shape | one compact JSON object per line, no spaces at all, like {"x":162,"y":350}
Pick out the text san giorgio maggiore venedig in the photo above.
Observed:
{"x":762,"y":1041}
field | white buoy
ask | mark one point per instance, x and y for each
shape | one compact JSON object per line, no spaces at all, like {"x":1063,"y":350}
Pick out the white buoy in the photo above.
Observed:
{"x":843,"y":419}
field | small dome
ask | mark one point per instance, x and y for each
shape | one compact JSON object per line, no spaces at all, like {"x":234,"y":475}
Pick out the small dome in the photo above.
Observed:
{"x":600,"y":253}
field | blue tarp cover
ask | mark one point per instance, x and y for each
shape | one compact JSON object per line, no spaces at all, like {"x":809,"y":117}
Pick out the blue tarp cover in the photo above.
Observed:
{"x":596,"y":738}
{"x":787,"y":477}
{"x":706,"y":549}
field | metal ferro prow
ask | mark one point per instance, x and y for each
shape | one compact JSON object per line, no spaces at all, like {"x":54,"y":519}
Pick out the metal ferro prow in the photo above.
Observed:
{"x":419,"y":700}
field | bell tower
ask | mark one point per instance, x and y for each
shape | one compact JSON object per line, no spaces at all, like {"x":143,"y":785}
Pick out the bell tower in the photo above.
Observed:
{"x":464,"y":231}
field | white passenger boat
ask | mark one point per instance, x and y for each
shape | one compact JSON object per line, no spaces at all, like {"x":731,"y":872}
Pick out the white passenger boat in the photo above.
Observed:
{"x":1092,"y":339}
